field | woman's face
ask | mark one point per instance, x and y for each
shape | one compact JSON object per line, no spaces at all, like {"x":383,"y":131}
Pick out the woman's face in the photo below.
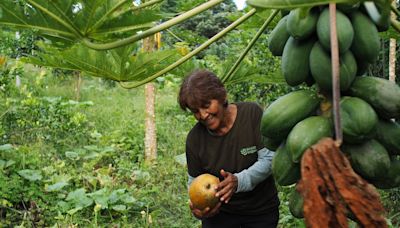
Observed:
{"x":211,"y":115}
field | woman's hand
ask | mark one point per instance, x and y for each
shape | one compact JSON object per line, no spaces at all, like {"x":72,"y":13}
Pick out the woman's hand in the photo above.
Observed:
{"x":206,"y":212}
{"x":227,"y":187}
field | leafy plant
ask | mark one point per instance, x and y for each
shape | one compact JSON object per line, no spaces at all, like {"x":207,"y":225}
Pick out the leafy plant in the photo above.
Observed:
{"x":49,"y":118}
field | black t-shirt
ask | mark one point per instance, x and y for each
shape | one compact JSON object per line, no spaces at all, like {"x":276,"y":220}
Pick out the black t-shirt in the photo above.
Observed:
{"x":233,"y":152}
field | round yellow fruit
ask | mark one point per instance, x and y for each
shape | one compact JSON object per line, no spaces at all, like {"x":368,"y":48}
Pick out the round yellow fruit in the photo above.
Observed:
{"x":202,"y":191}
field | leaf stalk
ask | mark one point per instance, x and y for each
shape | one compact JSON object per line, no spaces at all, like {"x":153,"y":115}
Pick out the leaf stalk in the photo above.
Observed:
{"x":235,"y":66}
{"x":192,"y":53}
{"x":191,"y":13}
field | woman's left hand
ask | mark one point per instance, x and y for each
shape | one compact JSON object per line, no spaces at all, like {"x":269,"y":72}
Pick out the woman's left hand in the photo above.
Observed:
{"x":227,"y":187}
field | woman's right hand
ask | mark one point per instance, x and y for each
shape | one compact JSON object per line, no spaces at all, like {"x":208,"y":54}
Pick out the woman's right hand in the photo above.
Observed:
{"x":206,"y":212}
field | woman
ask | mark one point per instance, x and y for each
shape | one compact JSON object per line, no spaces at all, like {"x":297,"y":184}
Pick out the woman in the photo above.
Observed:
{"x":226,"y":142}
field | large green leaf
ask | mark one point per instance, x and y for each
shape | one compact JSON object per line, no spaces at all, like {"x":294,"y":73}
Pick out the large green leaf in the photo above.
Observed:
{"x":77,"y":19}
{"x":122,"y":64}
{"x":289,"y":4}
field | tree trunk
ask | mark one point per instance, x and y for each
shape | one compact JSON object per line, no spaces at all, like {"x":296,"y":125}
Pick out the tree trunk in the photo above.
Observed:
{"x":150,"y":141}
{"x":392,"y":55}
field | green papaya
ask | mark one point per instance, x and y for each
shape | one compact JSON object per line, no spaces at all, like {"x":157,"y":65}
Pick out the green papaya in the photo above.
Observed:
{"x":301,"y":22}
{"x":321,"y":68}
{"x":295,"y":61}
{"x":391,"y":179}
{"x":388,"y":134}
{"x":296,"y":202}
{"x":369,"y":159}
{"x":345,"y":32}
{"x":279,"y":117}
{"x":284,"y":171}
{"x":382,"y":94}
{"x":366,"y":43}
{"x":358,"y":120}
{"x":306,"y":133}
{"x":278,"y":38}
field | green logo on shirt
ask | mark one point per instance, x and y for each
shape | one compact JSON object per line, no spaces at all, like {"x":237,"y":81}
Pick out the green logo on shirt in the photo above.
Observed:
{"x":248,"y":150}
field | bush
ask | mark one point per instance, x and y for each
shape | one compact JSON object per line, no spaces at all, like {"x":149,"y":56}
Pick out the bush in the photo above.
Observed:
{"x":50,"y":119}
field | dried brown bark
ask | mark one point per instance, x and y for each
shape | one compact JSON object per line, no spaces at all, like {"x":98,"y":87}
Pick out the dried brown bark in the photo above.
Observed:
{"x":332,"y":191}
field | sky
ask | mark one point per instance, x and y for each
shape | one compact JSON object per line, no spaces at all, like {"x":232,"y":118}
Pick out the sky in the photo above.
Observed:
{"x":240,"y":4}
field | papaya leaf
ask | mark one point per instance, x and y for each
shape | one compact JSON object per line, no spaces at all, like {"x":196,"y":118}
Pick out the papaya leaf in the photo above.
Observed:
{"x":122,"y":64}
{"x":290,"y":4}
{"x":72,"y":20}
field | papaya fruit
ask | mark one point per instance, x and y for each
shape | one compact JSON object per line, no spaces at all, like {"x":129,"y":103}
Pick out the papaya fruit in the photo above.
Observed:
{"x":366,"y":43}
{"x":284,"y":171}
{"x":382,"y":94}
{"x":296,"y":202}
{"x":391,"y":179}
{"x":388,"y":134}
{"x":369,"y":159}
{"x":345,"y":32}
{"x":279,"y":117}
{"x":278,"y":37}
{"x":358,"y":120}
{"x":301,"y":22}
{"x":321,"y":69}
{"x":306,"y":133}
{"x":295,"y":61}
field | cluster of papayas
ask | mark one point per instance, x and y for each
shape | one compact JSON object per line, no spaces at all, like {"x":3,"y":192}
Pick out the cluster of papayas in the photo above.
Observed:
{"x":369,"y":106}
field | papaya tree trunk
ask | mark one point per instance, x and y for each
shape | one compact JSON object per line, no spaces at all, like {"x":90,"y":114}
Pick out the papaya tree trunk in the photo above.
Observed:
{"x":392,"y":55}
{"x":392,"y":60}
{"x":150,"y":141}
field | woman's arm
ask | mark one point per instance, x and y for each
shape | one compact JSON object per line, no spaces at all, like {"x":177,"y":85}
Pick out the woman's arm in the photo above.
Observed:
{"x":249,"y":178}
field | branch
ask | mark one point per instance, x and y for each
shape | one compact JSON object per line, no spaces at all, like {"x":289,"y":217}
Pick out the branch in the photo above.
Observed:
{"x":395,"y":24}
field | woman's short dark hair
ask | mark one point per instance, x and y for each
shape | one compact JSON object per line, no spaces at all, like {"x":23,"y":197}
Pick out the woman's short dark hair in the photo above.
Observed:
{"x":198,"y":88}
